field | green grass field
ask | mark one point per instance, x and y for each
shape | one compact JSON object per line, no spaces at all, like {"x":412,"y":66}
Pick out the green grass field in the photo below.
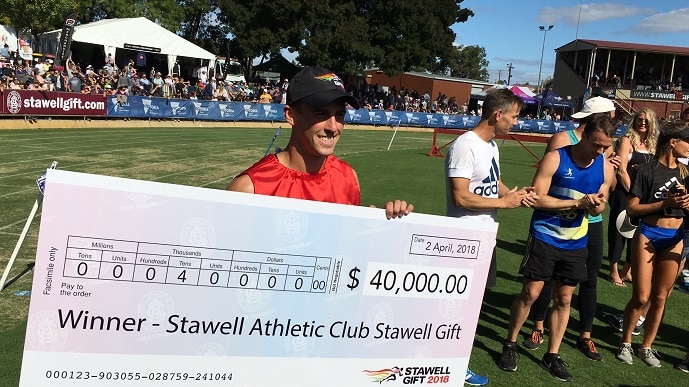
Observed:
{"x":209,"y":158}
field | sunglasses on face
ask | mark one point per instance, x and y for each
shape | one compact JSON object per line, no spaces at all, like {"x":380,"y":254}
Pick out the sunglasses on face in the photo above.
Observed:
{"x":642,"y":121}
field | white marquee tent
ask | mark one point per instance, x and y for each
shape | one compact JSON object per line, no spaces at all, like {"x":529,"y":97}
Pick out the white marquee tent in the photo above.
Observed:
{"x":139,"y":32}
{"x":7,"y":37}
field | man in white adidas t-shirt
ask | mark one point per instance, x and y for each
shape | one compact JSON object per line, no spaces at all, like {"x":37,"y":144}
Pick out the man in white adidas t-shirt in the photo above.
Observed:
{"x":474,"y":189}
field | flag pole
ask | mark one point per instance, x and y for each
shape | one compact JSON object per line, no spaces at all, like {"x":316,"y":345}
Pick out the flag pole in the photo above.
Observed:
{"x":277,"y":133}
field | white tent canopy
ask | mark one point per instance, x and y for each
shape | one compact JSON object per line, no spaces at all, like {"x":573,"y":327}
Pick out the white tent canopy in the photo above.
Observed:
{"x":115,"y":33}
{"x":7,"y":37}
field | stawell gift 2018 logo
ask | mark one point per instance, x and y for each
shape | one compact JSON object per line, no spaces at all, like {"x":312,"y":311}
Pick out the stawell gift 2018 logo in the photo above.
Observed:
{"x":411,"y":375}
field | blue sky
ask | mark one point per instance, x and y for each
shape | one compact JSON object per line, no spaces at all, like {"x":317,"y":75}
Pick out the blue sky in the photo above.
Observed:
{"x":508,"y":29}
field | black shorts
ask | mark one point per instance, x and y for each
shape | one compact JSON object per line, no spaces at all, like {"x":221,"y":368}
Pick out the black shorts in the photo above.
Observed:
{"x":543,"y":262}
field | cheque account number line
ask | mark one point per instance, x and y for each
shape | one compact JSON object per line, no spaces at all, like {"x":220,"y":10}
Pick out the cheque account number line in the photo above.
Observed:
{"x":121,"y":260}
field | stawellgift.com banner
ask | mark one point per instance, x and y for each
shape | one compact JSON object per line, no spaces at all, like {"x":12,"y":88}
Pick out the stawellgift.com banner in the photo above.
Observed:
{"x":50,"y":103}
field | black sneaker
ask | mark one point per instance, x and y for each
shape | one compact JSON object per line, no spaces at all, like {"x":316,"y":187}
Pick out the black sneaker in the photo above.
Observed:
{"x":588,"y":348}
{"x":508,"y":359}
{"x":684,"y":364}
{"x":534,"y":341}
{"x":554,"y":364}
{"x":616,"y":320}
{"x":637,"y":329}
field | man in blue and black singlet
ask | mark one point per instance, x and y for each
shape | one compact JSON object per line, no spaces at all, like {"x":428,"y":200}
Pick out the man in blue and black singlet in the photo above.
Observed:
{"x":587,"y":301}
{"x":572,"y":182}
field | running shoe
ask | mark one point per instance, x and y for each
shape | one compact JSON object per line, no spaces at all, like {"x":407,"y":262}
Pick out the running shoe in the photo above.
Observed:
{"x":588,"y":348}
{"x":554,"y":364}
{"x":508,"y":359}
{"x":684,"y":364}
{"x":650,"y":357}
{"x":616,"y":320}
{"x":532,"y":342}
{"x":625,"y":353}
{"x":473,"y":379}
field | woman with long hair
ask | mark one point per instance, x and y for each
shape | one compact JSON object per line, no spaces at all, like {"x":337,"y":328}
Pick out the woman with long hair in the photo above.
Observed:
{"x":635,"y":148}
{"x":659,"y":198}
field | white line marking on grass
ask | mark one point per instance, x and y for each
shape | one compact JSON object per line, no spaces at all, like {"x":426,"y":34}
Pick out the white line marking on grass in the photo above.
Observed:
{"x":125,"y":157}
{"x":19,"y":192}
{"x":17,"y":222}
{"x":227,"y":178}
{"x":141,"y":142}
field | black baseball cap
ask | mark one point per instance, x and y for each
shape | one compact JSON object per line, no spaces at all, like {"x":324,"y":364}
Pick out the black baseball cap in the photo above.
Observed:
{"x":682,"y":134}
{"x":317,"y":86}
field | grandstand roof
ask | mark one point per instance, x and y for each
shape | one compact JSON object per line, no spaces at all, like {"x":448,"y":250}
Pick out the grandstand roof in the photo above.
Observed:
{"x":583,"y":44}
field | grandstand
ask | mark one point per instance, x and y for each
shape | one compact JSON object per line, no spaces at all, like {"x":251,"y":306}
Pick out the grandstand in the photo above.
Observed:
{"x":634,"y":75}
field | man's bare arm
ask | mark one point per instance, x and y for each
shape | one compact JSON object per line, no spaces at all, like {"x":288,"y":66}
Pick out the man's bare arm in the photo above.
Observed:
{"x":557,"y":141}
{"x":241,"y":183}
{"x":463,"y":197}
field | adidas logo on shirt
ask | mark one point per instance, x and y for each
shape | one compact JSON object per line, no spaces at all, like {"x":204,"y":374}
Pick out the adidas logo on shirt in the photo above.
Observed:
{"x":665,"y":190}
{"x":490,"y":183}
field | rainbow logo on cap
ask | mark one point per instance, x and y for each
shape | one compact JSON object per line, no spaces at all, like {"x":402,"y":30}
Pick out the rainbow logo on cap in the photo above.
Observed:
{"x":330,"y":77}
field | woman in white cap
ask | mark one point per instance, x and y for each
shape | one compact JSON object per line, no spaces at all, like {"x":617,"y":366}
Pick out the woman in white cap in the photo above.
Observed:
{"x":635,"y":148}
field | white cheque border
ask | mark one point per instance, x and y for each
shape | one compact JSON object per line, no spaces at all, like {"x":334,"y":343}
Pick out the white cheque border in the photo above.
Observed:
{"x":221,"y":196}
{"x":179,"y":371}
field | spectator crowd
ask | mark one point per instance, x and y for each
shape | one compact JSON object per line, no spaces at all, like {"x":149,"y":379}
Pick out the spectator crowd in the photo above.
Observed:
{"x":43,"y":74}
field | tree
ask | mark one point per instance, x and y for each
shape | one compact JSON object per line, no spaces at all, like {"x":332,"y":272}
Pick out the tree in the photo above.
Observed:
{"x":412,"y":35}
{"x":468,"y":62}
{"x":325,"y":40}
{"x":167,"y":13}
{"x":199,"y":19}
{"x":260,"y":28}
{"x":37,"y":16}
{"x":347,"y":35}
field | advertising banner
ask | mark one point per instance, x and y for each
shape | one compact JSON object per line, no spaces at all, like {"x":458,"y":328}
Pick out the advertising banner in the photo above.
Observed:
{"x":49,"y":103}
{"x":657,"y":95}
{"x":65,"y":42}
{"x":23,"y":102}
{"x":152,"y":284}
{"x":208,"y":110}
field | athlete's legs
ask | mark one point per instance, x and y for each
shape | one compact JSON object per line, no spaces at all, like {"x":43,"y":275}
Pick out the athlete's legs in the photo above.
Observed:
{"x":521,"y":305}
{"x":616,"y":242}
{"x":664,"y":273}
{"x":642,"y":270}
{"x":588,"y":290}
{"x":539,"y":309}
{"x":559,"y":314}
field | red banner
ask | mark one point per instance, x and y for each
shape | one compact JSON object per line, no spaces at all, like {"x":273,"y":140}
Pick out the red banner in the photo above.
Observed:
{"x":50,"y":103}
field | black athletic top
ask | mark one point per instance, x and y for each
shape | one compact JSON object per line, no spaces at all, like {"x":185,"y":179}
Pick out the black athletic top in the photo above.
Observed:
{"x":654,"y":182}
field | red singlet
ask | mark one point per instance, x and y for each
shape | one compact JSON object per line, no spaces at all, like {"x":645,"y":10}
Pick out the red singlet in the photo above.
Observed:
{"x":334,"y":183}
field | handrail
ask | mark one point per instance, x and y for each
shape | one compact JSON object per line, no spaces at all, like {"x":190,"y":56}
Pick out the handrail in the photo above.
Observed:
{"x":622,"y":101}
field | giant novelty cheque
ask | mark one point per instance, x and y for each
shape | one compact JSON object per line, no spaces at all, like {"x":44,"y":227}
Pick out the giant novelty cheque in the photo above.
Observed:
{"x":140,"y":283}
